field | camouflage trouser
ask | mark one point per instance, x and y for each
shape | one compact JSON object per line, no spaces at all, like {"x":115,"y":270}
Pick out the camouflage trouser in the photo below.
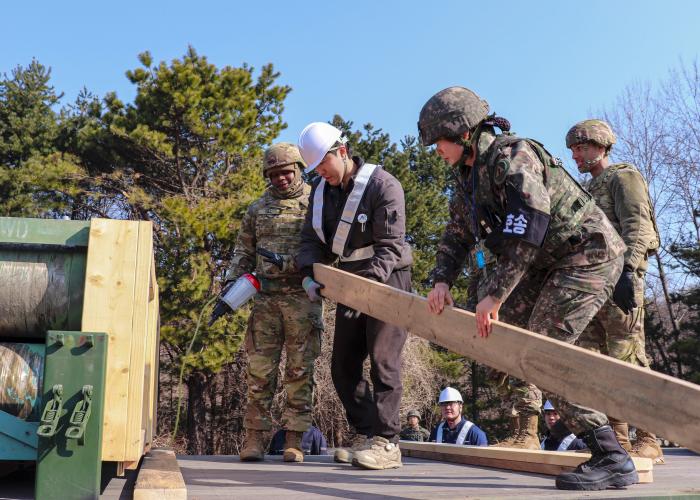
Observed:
{"x":522,"y":397}
{"x":616,"y":334}
{"x":279,"y":320}
{"x":561,"y":303}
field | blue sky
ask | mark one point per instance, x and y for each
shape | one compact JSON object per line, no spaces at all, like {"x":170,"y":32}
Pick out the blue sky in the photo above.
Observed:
{"x":542,"y":64}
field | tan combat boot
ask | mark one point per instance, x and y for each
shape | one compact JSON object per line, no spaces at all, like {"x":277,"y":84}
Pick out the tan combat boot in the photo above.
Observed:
{"x":647,"y":447}
{"x":513,"y":435}
{"x":527,"y":437}
{"x":382,"y":454}
{"x":292,"y":447}
{"x":253,"y":447}
{"x":344,"y":455}
{"x":621,"y":433}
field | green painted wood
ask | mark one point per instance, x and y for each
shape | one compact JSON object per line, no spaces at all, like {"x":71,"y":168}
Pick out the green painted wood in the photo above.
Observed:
{"x":68,"y":468}
{"x":45,"y":231}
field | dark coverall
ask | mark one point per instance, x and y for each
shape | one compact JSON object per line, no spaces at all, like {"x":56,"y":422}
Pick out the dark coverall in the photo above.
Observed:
{"x":356,"y":336}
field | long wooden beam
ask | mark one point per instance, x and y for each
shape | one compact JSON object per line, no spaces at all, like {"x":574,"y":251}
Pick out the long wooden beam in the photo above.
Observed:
{"x":658,"y":403}
{"x":541,"y":462}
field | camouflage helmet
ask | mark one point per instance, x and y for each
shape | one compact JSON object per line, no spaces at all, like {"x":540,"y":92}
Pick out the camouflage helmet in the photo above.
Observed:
{"x":280,"y":155}
{"x":413,"y":413}
{"x":450,"y":113}
{"x":596,"y":131}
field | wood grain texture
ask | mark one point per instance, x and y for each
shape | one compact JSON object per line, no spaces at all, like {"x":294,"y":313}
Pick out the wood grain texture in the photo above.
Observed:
{"x":109,"y":307}
{"x":662,"y":404}
{"x":138,"y":392}
{"x":160,"y":478}
{"x":541,"y":462}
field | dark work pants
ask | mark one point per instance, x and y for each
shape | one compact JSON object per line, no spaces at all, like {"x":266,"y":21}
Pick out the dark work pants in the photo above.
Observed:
{"x":378,"y":413}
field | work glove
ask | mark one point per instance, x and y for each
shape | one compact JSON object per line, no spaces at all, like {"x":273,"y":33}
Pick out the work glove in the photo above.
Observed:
{"x":349,"y":313}
{"x":624,"y":292}
{"x":312,"y":288}
{"x":271,"y":257}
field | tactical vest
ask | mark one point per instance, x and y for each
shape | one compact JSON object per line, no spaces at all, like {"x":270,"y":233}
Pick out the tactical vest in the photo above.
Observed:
{"x":278,"y":224}
{"x":600,"y":189}
{"x":569,"y":202}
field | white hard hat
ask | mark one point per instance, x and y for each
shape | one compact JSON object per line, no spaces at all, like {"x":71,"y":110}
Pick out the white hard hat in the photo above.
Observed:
{"x":315,"y":141}
{"x":449,"y":394}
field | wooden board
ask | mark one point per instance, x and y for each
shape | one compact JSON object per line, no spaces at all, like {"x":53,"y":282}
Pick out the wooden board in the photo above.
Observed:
{"x":151,"y":379}
{"x":109,"y":307}
{"x":659,"y":403}
{"x":160,"y":478}
{"x":139,"y":345}
{"x":541,"y":462}
{"x":121,"y":299}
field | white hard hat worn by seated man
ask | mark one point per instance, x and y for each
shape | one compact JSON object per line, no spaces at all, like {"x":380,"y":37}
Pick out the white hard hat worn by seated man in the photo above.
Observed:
{"x":449,"y":395}
{"x":315,"y":141}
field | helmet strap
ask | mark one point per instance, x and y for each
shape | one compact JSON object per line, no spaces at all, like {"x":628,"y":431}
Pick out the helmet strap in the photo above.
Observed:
{"x":469,"y":145}
{"x":294,"y":189}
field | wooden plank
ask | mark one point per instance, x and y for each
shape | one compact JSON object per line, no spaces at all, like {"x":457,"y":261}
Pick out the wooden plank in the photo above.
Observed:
{"x":537,"y":461}
{"x":662,"y":404}
{"x":108,"y":307}
{"x":139,"y":344}
{"x":150,"y":404}
{"x":160,"y":478}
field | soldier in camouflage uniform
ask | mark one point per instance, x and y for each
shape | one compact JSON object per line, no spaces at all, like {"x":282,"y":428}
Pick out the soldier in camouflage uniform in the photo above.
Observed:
{"x":621,"y":192}
{"x":550,"y":239}
{"x":281,"y":315}
{"x":413,"y":431}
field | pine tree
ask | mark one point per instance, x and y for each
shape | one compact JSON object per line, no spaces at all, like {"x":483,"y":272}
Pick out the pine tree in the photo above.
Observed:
{"x":186,"y":156}
{"x":37,"y":178}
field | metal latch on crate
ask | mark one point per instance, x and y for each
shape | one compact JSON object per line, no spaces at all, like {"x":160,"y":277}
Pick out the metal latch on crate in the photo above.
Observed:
{"x":80,"y":416}
{"x":52,"y":413}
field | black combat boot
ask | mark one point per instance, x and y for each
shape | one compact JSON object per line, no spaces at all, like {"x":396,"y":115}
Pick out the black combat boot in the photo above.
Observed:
{"x":609,"y":465}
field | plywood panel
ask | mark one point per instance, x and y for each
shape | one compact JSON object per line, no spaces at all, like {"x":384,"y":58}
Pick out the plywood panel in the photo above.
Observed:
{"x":662,"y":404}
{"x":108,"y":307}
{"x":139,"y":343}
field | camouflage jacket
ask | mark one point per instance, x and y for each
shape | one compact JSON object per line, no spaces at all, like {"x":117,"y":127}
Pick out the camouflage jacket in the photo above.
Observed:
{"x":621,"y":192}
{"x":528,"y":210}
{"x":410,"y":434}
{"x":274,"y":224}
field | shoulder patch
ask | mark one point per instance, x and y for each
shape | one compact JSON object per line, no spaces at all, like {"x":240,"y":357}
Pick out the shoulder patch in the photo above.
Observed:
{"x":501,"y":170}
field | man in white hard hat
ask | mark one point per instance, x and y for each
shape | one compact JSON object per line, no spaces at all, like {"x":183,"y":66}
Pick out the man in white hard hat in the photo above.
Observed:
{"x":357,"y":215}
{"x":558,"y":436}
{"x":454,"y":428}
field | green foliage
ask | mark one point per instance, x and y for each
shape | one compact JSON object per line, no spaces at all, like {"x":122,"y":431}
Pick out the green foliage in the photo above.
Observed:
{"x":184,"y":155}
{"x":36,"y":178}
{"x":28,"y":123}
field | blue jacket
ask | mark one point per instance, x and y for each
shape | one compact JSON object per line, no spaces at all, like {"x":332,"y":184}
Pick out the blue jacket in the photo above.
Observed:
{"x":475,"y":436}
